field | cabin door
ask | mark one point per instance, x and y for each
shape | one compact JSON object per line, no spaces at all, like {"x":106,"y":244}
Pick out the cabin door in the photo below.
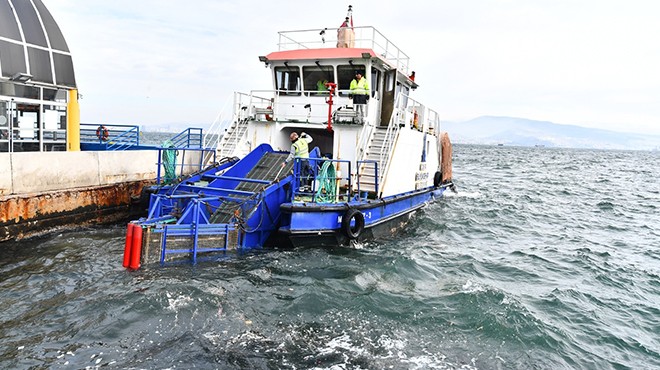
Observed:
{"x":388,"y":97}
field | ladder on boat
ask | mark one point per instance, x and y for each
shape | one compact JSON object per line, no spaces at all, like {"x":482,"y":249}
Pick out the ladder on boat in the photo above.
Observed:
{"x":378,"y":151}
{"x":229,"y":143}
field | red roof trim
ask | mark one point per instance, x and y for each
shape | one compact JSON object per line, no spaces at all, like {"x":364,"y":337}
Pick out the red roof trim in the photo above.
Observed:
{"x":311,"y":54}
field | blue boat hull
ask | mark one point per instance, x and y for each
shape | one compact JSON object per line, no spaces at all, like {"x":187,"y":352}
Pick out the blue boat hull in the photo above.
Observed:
{"x":323,"y":224}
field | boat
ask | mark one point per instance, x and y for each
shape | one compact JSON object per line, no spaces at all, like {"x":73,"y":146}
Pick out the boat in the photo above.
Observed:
{"x":372,"y":165}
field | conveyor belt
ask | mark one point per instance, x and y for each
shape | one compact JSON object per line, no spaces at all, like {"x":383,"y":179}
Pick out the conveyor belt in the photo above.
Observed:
{"x":268,"y":167}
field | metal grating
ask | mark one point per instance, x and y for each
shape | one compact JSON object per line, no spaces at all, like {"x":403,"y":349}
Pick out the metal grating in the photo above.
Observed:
{"x":268,"y":168}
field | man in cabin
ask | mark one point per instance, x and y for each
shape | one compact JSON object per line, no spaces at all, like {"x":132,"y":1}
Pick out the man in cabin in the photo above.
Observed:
{"x":300,"y":148}
{"x":321,"y":85}
{"x":360,"y":92}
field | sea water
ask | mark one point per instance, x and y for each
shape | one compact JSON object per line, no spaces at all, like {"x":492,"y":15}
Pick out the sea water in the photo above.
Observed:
{"x":545,"y":259}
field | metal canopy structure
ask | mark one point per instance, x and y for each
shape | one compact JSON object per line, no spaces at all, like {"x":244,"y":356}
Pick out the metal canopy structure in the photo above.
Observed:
{"x":32,"y":47}
{"x":36,"y":79}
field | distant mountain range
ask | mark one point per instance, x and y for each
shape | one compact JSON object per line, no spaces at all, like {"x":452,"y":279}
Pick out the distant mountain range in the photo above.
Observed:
{"x":493,"y":130}
{"x":526,"y":132}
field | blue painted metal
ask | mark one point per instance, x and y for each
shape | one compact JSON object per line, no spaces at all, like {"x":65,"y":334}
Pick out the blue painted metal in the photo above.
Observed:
{"x":316,"y":162}
{"x":235,"y":179}
{"x":120,"y":137}
{"x":189,"y":138}
{"x":310,"y":219}
{"x":188,"y":209}
{"x":128,"y":137}
{"x":228,"y":206}
{"x":184,"y":167}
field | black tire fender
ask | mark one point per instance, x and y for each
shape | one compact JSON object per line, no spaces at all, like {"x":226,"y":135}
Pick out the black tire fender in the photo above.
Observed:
{"x":355,"y":231}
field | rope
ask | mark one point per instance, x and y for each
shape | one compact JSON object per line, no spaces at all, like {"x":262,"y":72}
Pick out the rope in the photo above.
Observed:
{"x":169,"y":162}
{"x":326,"y":178}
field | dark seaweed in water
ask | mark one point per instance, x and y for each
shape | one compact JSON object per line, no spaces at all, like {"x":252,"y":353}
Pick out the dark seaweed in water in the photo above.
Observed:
{"x":546,"y":259}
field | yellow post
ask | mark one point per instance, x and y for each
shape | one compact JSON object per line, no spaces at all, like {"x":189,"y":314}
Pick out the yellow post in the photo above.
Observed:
{"x":73,"y":122}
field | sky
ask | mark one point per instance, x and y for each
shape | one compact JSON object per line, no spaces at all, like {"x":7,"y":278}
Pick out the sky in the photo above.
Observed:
{"x":592,"y":63}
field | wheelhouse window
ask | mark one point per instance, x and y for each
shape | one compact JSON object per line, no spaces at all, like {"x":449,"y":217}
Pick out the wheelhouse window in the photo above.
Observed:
{"x":404,"y":91}
{"x":49,"y":94}
{"x":315,"y":77}
{"x":374,"y":83}
{"x":389,"y":82}
{"x":287,"y":80}
{"x":346,"y":74}
{"x":19,"y":91}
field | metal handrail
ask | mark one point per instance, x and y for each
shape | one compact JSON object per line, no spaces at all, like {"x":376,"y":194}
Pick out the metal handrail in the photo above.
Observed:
{"x":365,"y":163}
{"x":182,"y":166}
{"x":365,"y":135}
{"x":297,"y":176}
{"x":367,"y":37}
{"x":390,"y":135}
{"x":125,"y":140}
{"x":214,"y":133}
{"x":242,"y":109}
{"x":119,"y":136}
{"x":188,"y":138}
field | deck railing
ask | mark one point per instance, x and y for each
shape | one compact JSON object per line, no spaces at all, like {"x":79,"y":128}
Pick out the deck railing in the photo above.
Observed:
{"x":366,"y":37}
{"x":363,"y":166}
{"x":221,"y":123}
{"x":323,"y":187}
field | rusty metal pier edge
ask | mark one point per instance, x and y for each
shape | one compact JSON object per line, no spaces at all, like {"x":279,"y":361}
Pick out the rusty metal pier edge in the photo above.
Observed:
{"x":28,"y":215}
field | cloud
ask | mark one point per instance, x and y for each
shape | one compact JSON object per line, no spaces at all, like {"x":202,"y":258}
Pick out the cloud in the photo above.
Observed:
{"x":591,"y":63}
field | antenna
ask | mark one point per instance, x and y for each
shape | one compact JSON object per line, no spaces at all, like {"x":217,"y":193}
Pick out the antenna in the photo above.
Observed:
{"x":349,"y":16}
{"x":322,"y":33}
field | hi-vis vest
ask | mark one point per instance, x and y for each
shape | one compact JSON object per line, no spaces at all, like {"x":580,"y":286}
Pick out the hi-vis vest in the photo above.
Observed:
{"x":359,"y":87}
{"x":302,"y":148}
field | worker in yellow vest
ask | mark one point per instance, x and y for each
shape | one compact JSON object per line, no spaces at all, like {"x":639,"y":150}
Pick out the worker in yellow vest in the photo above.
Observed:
{"x":360,"y":92}
{"x":300,"y":149}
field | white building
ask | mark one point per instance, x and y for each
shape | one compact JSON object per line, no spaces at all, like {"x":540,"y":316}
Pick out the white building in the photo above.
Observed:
{"x":36,"y":78}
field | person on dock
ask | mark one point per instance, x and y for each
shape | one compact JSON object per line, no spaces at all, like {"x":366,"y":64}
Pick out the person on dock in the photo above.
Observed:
{"x":300,"y":148}
{"x":360,"y":92}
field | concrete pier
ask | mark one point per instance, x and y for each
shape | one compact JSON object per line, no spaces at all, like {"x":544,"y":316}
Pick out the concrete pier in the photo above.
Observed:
{"x":42,"y":191}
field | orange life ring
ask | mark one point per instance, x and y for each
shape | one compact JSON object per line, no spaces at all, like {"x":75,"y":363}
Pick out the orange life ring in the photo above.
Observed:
{"x":268,"y":116}
{"x":102,"y":133}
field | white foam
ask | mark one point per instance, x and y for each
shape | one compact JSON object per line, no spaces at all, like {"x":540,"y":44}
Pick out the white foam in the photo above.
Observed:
{"x":175,"y":303}
{"x":358,"y":245}
{"x":461,"y":194}
{"x":472,"y":287}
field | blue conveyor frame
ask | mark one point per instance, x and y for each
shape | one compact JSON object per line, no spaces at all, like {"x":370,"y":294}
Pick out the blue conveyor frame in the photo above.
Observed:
{"x":236,"y":203}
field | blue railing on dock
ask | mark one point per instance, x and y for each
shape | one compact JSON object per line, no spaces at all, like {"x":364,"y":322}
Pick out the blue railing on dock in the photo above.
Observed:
{"x":127,"y":137}
{"x":113,"y":137}
{"x":189,"y":138}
